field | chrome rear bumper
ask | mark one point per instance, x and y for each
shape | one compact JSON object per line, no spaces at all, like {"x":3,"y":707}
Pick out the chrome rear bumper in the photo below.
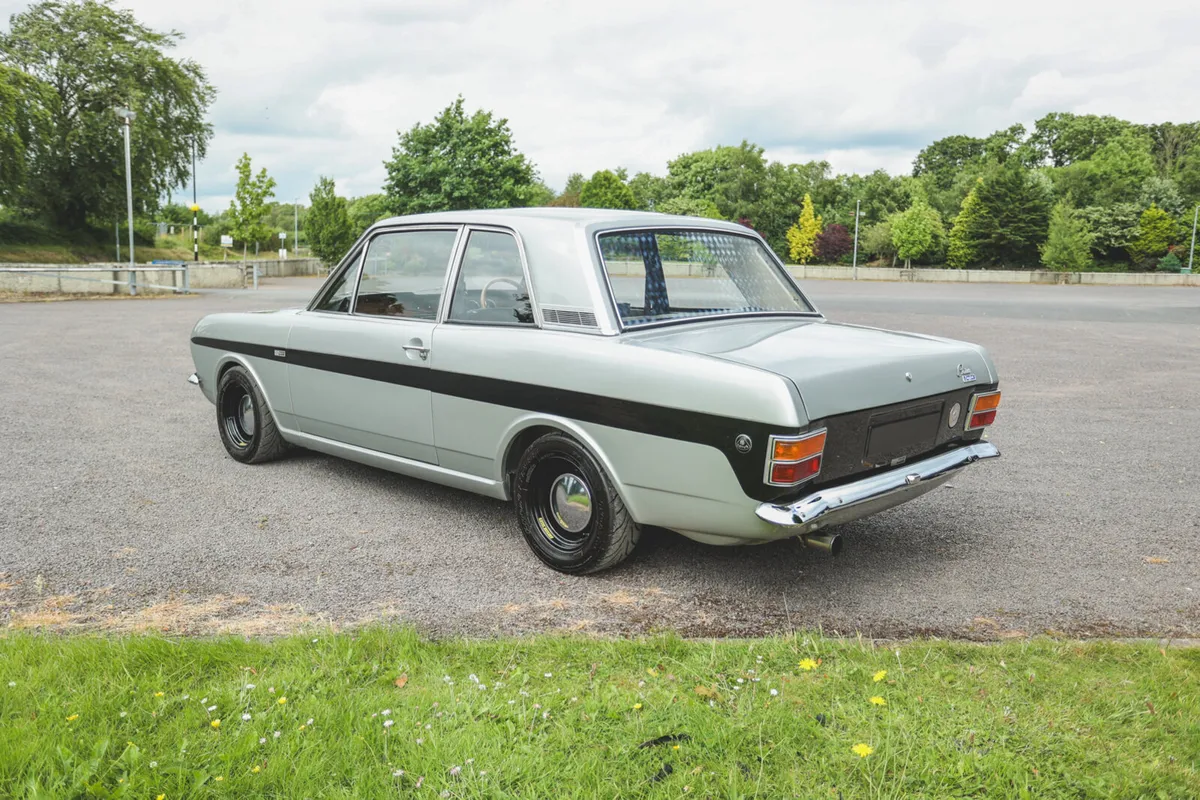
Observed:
{"x":852,"y":501}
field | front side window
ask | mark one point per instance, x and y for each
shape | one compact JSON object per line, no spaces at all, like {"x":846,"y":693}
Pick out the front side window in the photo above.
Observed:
{"x":491,"y":282}
{"x":337,"y":296}
{"x":403,"y":274}
{"x":658,"y":276}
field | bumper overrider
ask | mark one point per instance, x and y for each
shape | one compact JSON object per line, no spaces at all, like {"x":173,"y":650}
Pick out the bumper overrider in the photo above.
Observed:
{"x":852,"y":501}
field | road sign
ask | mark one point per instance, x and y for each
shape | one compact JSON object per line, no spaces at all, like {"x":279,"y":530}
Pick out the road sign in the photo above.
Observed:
{"x":226,"y":241}
{"x":282,"y":236}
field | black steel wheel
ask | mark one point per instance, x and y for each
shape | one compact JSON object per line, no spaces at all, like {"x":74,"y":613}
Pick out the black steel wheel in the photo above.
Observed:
{"x":569,"y":513}
{"x":244,"y":420}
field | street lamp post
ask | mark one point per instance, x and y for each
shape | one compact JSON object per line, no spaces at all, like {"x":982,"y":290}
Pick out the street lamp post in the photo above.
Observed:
{"x":127,"y":117}
{"x":296,"y":226}
{"x":1192,"y":254}
{"x":855,"y":261}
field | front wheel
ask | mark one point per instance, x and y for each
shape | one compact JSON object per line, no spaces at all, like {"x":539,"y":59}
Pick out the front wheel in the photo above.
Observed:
{"x":570,"y":514}
{"x":244,"y":420}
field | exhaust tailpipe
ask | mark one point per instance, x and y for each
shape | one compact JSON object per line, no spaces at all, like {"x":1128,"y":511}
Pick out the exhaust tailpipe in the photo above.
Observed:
{"x":827,"y":542}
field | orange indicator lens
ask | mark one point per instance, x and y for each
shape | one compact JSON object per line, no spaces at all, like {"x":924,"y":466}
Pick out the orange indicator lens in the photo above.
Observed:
{"x":987,"y":402}
{"x":799,"y":449}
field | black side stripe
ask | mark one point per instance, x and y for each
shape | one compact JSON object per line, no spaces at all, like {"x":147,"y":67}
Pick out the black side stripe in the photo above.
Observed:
{"x":711,"y":430}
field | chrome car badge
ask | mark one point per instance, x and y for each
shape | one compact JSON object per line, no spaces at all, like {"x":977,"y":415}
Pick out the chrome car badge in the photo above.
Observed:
{"x":955,"y":410}
{"x":743,"y":443}
{"x":965,"y":373}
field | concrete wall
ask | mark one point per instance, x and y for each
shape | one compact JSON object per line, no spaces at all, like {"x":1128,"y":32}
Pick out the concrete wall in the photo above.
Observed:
{"x":821,"y":272}
{"x":41,"y":278}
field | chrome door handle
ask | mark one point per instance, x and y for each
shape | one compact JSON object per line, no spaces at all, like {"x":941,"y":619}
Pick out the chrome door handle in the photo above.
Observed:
{"x":420,"y":350}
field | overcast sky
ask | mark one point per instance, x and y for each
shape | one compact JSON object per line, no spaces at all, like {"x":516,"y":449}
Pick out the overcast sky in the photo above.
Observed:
{"x":311,"y":88}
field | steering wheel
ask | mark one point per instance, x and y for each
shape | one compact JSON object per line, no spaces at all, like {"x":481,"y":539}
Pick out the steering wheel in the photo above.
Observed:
{"x":483,"y":292}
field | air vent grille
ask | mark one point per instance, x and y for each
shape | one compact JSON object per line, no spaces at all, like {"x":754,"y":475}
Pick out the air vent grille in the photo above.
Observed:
{"x":567,"y":316}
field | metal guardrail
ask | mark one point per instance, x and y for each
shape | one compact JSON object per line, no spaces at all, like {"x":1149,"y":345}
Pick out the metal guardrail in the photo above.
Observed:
{"x":130,"y":281}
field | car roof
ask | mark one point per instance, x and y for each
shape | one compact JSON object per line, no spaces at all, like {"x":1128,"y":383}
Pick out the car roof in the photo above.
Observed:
{"x":594,"y":218}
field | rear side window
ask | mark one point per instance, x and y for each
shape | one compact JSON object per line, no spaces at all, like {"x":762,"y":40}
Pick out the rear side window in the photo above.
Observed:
{"x":403,"y":274}
{"x":491,"y":282}
{"x":663,"y":275}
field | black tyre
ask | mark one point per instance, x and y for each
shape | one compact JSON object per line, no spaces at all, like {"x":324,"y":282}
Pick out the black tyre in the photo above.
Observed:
{"x":244,"y":421}
{"x":569,"y":512}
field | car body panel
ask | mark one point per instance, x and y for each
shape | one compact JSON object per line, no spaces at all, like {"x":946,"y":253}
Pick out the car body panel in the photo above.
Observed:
{"x":680,"y":415}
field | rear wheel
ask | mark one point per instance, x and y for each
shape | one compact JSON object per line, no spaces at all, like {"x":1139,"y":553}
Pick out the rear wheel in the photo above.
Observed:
{"x":244,"y":420}
{"x":570,"y":514}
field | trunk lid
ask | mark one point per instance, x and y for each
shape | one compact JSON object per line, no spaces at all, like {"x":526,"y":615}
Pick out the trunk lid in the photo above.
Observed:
{"x":836,"y":368}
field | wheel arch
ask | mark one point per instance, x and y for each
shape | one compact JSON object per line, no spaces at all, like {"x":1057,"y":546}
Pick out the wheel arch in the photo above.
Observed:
{"x":227,"y":361}
{"x":528,"y":429}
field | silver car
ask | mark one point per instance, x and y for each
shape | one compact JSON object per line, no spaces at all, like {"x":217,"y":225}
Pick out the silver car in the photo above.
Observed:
{"x":604,"y":371}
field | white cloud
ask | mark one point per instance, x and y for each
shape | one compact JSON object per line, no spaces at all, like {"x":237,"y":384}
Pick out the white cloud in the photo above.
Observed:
{"x":312,"y":88}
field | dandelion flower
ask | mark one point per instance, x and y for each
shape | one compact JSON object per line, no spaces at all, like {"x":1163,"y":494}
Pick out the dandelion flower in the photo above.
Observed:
{"x":387,"y":723}
{"x":161,"y":797}
{"x":158,"y":694}
{"x":216,"y":723}
{"x":282,"y":701}
{"x":878,"y":676}
{"x":774,"y":693}
{"x":862,"y":750}
{"x":72,"y":718}
{"x":245,"y":717}
{"x":637,"y":706}
{"x":878,"y":701}
{"x":807,"y":664}
{"x":219,"y":778}
{"x":256,"y":768}
{"x":675,"y":747}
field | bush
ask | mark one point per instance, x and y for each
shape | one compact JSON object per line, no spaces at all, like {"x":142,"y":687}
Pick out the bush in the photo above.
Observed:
{"x":1170,"y":263}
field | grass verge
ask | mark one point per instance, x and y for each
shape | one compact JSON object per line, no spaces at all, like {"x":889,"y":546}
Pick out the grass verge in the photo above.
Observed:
{"x":384,"y":713}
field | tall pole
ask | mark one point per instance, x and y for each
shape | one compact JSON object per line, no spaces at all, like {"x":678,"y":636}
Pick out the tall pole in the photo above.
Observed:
{"x":127,"y":118}
{"x":1192,"y":254}
{"x":296,"y":227}
{"x":117,"y":231}
{"x":195,"y":209}
{"x":855,"y":262}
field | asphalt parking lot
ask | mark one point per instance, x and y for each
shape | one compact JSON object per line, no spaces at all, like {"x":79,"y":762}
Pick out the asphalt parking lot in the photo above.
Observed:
{"x":120,"y":509}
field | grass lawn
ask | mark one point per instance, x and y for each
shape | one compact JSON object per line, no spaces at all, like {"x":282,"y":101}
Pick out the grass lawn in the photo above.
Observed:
{"x":384,"y":713}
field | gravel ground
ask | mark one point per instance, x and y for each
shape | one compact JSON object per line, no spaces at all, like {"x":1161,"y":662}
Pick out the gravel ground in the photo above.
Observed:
{"x":119,"y":508}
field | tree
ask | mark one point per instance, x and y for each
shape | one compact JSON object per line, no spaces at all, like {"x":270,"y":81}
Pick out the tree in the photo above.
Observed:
{"x":802,"y":236}
{"x":365,"y":211}
{"x":91,"y":58}
{"x":1170,"y":263}
{"x":1061,"y":139}
{"x":946,"y":157}
{"x":328,"y":227}
{"x":1067,"y":248}
{"x":731,"y":177}
{"x":1012,"y":220}
{"x":1155,"y":235}
{"x":783,"y":193}
{"x":962,"y":252}
{"x":1112,"y":229}
{"x":458,"y":162}
{"x":877,"y":240}
{"x":1121,"y":167}
{"x":833,"y":243}
{"x":688,"y":207}
{"x":649,"y":191}
{"x":570,"y":193}
{"x":605,"y":190}
{"x":1164,"y":193}
{"x":248,"y":208}
{"x":917,"y":232}
{"x":23,"y":101}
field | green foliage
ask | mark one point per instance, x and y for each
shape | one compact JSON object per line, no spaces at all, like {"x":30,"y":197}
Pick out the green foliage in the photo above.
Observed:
{"x":1121,"y":167}
{"x":459,"y":162}
{"x":248,"y":209}
{"x":877,"y":240}
{"x":1060,"y":139}
{"x":569,"y":198}
{"x":1164,"y":193}
{"x":1112,"y":229}
{"x":365,"y":211}
{"x":649,"y":191}
{"x":1067,"y":247}
{"x":731,"y":177}
{"x":23,"y":122}
{"x":802,"y":237}
{"x":1155,"y":234}
{"x":328,"y":227}
{"x":780,"y":197}
{"x":688,"y":207}
{"x":962,"y":251}
{"x":1170,"y":263}
{"x":605,"y":190}
{"x":1012,"y":219}
{"x":86,"y":58}
{"x":917,"y":232}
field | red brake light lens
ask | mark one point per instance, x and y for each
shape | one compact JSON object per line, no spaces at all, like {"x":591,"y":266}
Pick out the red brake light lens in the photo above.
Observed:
{"x":795,"y":471}
{"x":983,"y":410}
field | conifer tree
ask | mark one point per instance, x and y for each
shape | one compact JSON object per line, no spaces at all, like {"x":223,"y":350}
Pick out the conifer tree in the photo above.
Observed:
{"x":1014,"y":216}
{"x":961,"y":252}
{"x":802,"y":236}
{"x":1068,"y":246}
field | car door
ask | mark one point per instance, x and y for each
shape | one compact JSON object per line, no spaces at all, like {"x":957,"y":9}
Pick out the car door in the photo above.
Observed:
{"x":359,"y":357}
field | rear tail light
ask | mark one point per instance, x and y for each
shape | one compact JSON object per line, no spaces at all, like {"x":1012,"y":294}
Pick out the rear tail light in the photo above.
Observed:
{"x":794,"y":459}
{"x":982,"y":411}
